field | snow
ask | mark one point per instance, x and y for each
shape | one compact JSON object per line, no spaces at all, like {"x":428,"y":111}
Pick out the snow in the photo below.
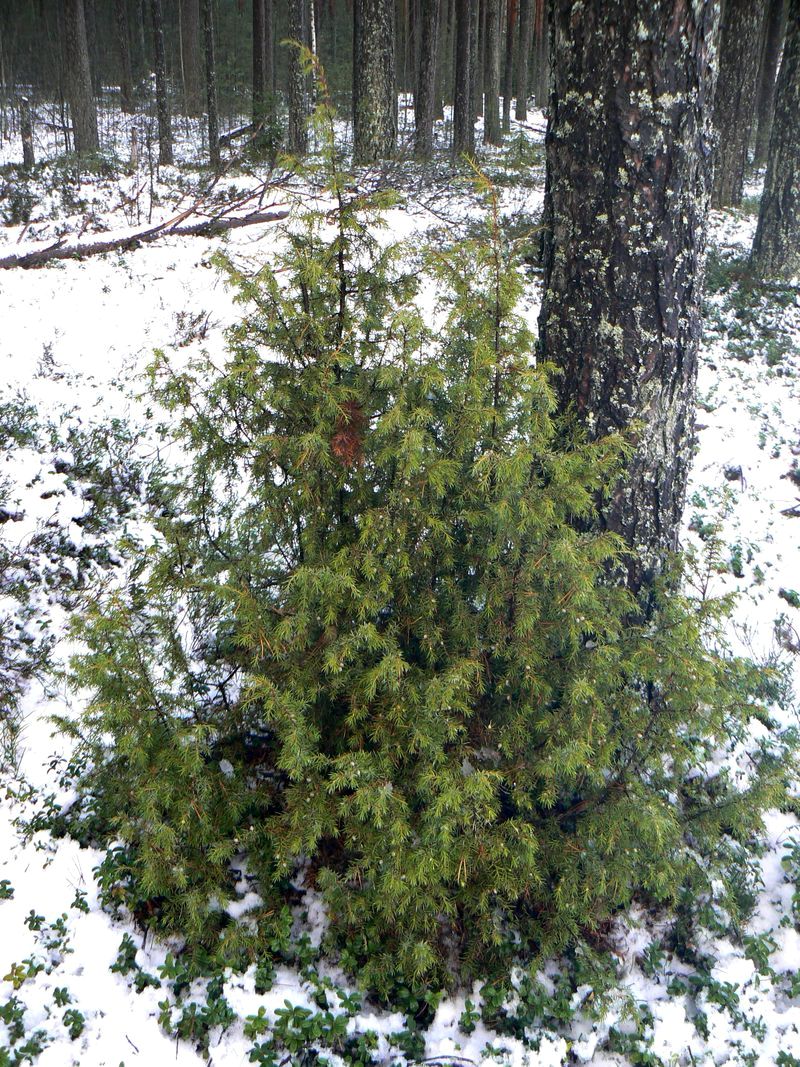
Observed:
{"x":76,"y":338}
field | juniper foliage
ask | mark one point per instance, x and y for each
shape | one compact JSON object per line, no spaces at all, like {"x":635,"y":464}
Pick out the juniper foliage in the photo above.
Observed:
{"x":375,"y":646}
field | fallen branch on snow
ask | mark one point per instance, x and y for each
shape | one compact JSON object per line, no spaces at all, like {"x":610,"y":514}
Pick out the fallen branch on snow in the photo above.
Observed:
{"x":206,"y":228}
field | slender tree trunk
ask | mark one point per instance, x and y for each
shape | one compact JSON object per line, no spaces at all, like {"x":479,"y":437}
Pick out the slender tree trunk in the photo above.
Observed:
{"x":445,"y":74}
{"x":26,"y":131}
{"x":541,"y":68}
{"x":463,"y":123}
{"x":374,"y":94}
{"x":425,"y":102}
{"x":190,"y":57}
{"x":628,"y":169}
{"x":124,"y":53}
{"x":776,"y":249}
{"x":79,"y":79}
{"x":508,"y":70}
{"x":269,"y":52}
{"x":259,"y":60}
{"x":297,"y":133}
{"x":477,"y":26}
{"x":211,"y":82}
{"x":774,"y":24}
{"x":162,"y":101}
{"x":524,"y":41}
{"x":491,"y":122}
{"x":736,"y":91}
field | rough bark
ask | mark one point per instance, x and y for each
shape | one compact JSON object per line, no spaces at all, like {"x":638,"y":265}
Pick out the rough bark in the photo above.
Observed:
{"x":374,"y":95}
{"x":463,"y":124}
{"x":508,"y":70}
{"x":733,"y":103}
{"x":776,"y":248}
{"x":124,"y":57}
{"x":79,"y":80}
{"x":211,"y":82}
{"x":190,"y":57}
{"x":425,"y":101}
{"x":491,"y":120}
{"x":162,"y":101}
{"x":628,"y":169}
{"x":524,"y":42}
{"x":297,"y":133}
{"x":774,"y":25}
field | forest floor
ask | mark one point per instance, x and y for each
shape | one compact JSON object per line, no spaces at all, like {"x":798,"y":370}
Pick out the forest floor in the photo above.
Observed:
{"x":80,"y":986}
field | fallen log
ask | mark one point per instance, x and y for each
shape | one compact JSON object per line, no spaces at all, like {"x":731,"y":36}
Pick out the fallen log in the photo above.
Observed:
{"x":207,"y":228}
{"x":234,"y":135}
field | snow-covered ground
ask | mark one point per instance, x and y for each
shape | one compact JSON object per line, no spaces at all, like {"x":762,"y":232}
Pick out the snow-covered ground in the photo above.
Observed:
{"x":75,"y":338}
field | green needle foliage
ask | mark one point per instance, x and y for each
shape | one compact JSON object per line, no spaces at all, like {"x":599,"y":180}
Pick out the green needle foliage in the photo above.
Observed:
{"x":376,"y":639}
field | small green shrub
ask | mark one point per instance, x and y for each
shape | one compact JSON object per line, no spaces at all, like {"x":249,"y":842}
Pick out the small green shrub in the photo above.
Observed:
{"x":376,"y":641}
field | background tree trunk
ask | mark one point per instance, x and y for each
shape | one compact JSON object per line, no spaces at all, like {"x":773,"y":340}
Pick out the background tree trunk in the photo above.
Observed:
{"x":297,"y":134}
{"x":524,"y":41}
{"x":79,"y":79}
{"x":774,"y":25}
{"x":491,"y":120}
{"x":424,"y":103}
{"x":625,"y":205}
{"x":508,"y":70}
{"x":776,"y":248}
{"x":463,"y":123}
{"x":124,"y":53}
{"x":261,"y":89}
{"x":190,"y":56}
{"x":374,"y":94}
{"x":477,"y":26}
{"x":93,"y":44}
{"x":733,"y":103}
{"x":541,"y":67}
{"x":162,"y":101}
{"x":269,"y":52}
{"x":26,"y":132}
{"x":211,"y":82}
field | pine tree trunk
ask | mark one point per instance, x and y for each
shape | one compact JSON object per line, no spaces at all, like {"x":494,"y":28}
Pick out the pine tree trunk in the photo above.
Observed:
{"x":26,"y":132}
{"x":445,"y":73}
{"x":269,"y":52}
{"x":374,"y":94}
{"x":90,"y":17}
{"x":776,"y":248}
{"x":124,"y":53}
{"x":162,"y":101}
{"x":190,"y":57}
{"x":508,"y":72}
{"x":625,"y":203}
{"x":477,"y":26}
{"x":297,"y":133}
{"x":541,"y":70}
{"x":211,"y":82}
{"x":259,"y":60}
{"x":524,"y":41}
{"x":79,"y":80}
{"x":463,"y":124}
{"x":774,"y":25}
{"x":425,"y":102}
{"x":733,"y":102}
{"x":491,"y":121}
